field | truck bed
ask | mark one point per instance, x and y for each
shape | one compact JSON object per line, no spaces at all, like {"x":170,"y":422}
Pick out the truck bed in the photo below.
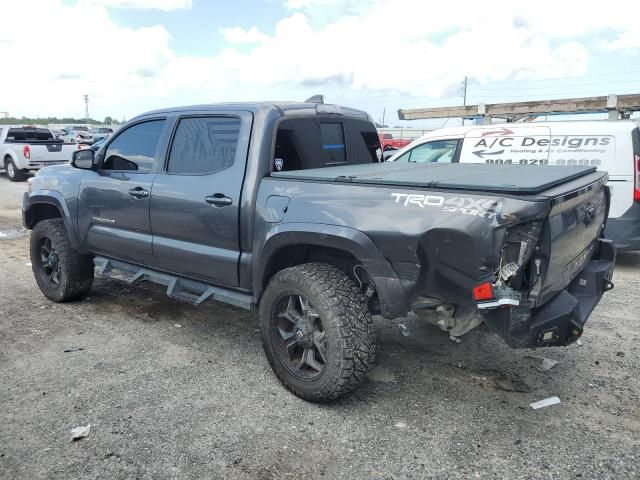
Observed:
{"x":511,"y":179}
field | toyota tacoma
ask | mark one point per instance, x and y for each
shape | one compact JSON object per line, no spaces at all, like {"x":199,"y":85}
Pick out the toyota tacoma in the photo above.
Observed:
{"x":284,"y":207}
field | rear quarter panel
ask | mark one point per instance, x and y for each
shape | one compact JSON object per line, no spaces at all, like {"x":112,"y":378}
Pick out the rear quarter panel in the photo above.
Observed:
{"x":440,"y":243}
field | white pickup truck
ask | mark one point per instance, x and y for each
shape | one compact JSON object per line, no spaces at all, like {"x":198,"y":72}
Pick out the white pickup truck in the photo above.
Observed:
{"x":26,"y":148}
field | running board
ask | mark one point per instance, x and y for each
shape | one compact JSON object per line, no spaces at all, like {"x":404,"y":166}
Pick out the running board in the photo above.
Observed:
{"x":183,"y":289}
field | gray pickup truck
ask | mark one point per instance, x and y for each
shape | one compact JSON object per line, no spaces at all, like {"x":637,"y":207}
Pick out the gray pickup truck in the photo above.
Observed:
{"x":284,"y":207}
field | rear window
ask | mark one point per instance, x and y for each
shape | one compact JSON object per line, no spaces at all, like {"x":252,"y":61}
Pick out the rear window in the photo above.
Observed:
{"x":304,"y":143}
{"x":204,"y":145}
{"x":25,"y":134}
{"x":387,"y":136}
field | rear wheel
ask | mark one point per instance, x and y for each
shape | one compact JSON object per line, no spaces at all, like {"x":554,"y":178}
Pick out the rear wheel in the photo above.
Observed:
{"x":317,"y":332}
{"x":14,"y":174}
{"x":60,"y":271}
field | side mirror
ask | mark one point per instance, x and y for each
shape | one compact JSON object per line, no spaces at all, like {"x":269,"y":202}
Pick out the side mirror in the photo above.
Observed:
{"x":83,"y":159}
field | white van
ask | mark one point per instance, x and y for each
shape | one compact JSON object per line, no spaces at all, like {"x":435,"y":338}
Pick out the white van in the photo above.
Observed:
{"x":613,"y":146}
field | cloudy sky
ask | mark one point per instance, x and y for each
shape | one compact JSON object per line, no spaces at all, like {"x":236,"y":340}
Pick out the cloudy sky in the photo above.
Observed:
{"x":130,"y":56}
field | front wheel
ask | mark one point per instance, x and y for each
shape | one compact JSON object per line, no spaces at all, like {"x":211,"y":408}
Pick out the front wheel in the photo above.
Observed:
{"x":316,"y":331}
{"x":60,"y":271}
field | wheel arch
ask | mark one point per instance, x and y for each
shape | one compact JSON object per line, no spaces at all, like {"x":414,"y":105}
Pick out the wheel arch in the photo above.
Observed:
{"x":39,"y":206}
{"x":291,"y":244}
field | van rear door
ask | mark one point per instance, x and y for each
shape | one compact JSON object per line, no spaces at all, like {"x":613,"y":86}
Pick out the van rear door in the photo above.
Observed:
{"x":506,"y":144}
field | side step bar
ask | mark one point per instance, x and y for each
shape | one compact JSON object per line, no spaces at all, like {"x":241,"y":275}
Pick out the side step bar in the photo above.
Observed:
{"x":186,"y":290}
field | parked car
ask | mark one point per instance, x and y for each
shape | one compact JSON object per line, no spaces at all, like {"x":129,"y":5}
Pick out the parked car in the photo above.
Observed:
{"x":98,"y":144}
{"x":28,"y":148}
{"x":284,"y":207}
{"x":101,"y":132}
{"x":613,"y":146}
{"x":387,"y":142}
{"x":77,"y":134}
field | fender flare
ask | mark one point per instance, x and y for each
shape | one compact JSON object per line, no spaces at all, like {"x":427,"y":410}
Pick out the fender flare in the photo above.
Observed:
{"x":393,"y":299}
{"x":49,"y":197}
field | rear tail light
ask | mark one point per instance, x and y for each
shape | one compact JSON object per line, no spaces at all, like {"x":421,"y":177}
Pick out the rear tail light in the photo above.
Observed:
{"x":483,"y":292}
{"x":26,"y":151}
{"x":636,"y":165}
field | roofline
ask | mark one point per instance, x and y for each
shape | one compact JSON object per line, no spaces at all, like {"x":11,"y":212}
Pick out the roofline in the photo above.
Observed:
{"x":283,"y":109}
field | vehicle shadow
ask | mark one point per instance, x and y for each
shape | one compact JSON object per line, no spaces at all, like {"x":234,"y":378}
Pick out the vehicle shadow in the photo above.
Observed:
{"x":628,"y":259}
{"x":412,"y":355}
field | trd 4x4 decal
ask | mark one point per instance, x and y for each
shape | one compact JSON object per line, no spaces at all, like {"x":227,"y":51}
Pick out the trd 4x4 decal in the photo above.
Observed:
{"x":480,"y":207}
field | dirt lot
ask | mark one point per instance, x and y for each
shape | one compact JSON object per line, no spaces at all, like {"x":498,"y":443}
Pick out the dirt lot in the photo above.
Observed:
{"x":175,"y":391}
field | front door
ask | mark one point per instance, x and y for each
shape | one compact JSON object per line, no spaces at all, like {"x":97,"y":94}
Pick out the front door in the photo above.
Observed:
{"x":195,"y":201}
{"x":113,"y":202}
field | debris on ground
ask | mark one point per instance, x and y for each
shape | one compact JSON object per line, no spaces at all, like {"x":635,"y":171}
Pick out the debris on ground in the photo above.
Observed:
{"x":547,"y":402}
{"x":80,"y":432}
{"x":400,"y":425}
{"x":73,"y":349}
{"x":579,"y":342}
{"x":620,"y":354}
{"x":455,"y":339}
{"x":404,"y":329}
{"x":546,"y":364}
{"x":478,"y":377}
{"x":177,"y":325}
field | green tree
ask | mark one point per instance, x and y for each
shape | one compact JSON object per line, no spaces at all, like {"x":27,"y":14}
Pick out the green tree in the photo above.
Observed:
{"x":108,"y":120}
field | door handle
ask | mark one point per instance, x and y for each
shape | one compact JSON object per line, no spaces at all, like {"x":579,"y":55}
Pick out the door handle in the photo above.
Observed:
{"x":218,"y":200}
{"x":138,"y":192}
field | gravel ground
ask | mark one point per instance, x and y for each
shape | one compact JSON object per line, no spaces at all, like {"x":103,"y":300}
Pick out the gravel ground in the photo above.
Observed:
{"x":175,"y":391}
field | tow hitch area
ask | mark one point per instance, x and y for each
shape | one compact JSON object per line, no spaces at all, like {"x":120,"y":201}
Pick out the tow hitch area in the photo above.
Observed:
{"x":561,"y":320}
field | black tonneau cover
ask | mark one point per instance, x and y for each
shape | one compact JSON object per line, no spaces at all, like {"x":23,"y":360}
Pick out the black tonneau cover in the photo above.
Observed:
{"x":518,"y":179}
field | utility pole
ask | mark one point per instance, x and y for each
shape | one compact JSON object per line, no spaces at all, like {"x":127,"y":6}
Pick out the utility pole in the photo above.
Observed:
{"x":384,"y":109}
{"x":464,"y":92}
{"x":86,"y":108}
{"x":464,"y":95}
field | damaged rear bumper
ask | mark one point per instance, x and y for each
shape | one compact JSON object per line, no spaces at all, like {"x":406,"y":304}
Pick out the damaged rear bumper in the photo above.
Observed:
{"x":561,"y":320}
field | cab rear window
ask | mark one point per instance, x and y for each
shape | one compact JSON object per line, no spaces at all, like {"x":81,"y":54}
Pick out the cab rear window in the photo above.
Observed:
{"x":305,"y":143}
{"x":25,"y":134}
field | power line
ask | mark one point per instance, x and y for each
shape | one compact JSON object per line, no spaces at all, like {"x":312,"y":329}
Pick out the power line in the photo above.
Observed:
{"x":566,"y":78}
{"x":546,"y":87}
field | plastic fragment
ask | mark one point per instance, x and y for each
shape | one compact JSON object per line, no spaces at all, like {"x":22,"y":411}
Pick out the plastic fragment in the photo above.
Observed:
{"x":177,"y":325}
{"x":547,"y":402}
{"x":80,"y":432}
{"x":546,"y":364}
{"x":404,"y":329}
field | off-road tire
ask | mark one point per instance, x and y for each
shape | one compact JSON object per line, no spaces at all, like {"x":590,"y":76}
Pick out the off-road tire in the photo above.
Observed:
{"x":18,"y":175}
{"x":346,"y":320}
{"x":75,"y":271}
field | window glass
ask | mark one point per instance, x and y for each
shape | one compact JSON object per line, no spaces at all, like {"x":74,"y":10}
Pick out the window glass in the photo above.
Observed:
{"x":304,"y":143}
{"x":332,"y":137}
{"x":204,"y":145}
{"x":135,"y":148}
{"x":441,"y":151}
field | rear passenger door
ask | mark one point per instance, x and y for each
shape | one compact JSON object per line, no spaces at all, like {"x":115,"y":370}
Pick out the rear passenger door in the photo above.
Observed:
{"x":195,"y":201}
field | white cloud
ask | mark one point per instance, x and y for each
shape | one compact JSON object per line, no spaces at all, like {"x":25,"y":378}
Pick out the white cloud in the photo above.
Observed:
{"x":237,"y":35}
{"x":165,"y":5}
{"x":363,"y":49}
